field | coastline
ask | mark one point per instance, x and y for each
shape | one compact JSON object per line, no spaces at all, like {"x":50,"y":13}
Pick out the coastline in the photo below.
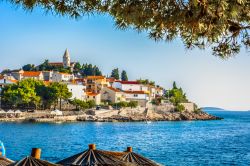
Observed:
{"x":124,"y":115}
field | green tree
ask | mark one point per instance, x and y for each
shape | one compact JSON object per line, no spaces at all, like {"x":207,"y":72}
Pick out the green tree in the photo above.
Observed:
{"x":132,"y":104}
{"x":90,"y":70}
{"x":179,"y":108}
{"x":29,"y":67}
{"x":174,"y":85}
{"x":115,"y":73}
{"x":176,"y":95}
{"x":124,"y":76}
{"x":91,"y":103}
{"x":59,"y":91}
{"x":77,"y":67}
{"x":221,"y":25}
{"x":22,"y":94}
{"x":79,"y":104}
{"x":10,"y":96}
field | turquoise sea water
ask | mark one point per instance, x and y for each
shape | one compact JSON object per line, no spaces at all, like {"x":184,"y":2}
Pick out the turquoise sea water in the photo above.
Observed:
{"x":222,"y":142}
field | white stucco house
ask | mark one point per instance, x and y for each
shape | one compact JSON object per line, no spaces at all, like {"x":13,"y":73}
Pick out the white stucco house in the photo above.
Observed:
{"x":127,"y":85}
{"x":62,"y":77}
{"x":140,"y":96}
{"x":78,"y":91}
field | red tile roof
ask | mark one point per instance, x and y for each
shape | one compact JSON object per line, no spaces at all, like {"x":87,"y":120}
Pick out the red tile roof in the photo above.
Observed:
{"x":11,"y":80}
{"x":95,"y":77}
{"x":128,"y":82}
{"x":111,"y":79}
{"x":114,"y":89}
{"x":92,"y":94}
{"x":31,"y":73}
{"x":65,"y":74}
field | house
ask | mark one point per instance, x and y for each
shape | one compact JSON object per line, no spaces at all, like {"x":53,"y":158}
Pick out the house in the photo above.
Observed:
{"x":96,"y":83}
{"x":94,"y":96}
{"x":127,"y":85}
{"x":77,"y":90}
{"x":5,"y":80}
{"x":20,"y":75}
{"x":110,"y":81}
{"x":113,"y":95}
{"x":47,"y":75}
{"x":17,"y":74}
{"x":140,"y":96}
{"x":37,"y":75}
{"x":81,"y":81}
{"x":62,"y":77}
{"x":159,"y":91}
{"x":131,"y":86}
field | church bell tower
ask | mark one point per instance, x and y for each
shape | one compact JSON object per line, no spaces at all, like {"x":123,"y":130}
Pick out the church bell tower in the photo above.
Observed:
{"x":66,"y":59}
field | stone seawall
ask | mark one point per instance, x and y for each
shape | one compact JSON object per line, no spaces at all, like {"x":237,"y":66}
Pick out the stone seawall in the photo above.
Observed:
{"x":124,"y":115}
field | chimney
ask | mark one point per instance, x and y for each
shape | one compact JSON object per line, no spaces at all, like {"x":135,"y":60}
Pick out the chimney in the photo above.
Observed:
{"x":36,"y":153}
{"x":129,"y":149}
{"x":92,"y":147}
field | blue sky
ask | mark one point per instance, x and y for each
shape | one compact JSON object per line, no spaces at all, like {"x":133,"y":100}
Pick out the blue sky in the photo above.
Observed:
{"x":31,"y":37}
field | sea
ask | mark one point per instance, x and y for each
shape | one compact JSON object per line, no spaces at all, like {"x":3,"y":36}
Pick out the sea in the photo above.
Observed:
{"x":191,"y":143}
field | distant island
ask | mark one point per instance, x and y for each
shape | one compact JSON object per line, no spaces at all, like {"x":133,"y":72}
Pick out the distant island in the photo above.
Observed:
{"x":71,"y":91}
{"x":213,"y":108}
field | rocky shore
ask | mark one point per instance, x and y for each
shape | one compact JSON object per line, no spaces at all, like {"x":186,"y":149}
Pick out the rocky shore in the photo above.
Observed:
{"x":124,"y":115}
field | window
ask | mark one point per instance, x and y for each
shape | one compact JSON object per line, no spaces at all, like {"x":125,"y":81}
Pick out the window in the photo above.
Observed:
{"x":135,"y":95}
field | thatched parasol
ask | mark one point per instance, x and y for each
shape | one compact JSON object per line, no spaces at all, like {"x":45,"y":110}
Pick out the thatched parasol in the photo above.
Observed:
{"x":130,"y":156}
{"x":4,"y":161}
{"x":33,"y":160}
{"x":93,"y":157}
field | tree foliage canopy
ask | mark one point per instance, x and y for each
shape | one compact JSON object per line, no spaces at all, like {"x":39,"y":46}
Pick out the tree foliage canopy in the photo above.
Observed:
{"x":223,"y":25}
{"x":176,"y":95}
{"x":33,"y":93}
{"x":115,"y":73}
{"x":124,"y":76}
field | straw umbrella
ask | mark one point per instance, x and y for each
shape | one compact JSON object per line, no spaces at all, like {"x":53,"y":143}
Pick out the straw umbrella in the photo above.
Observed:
{"x":130,"y":156}
{"x":93,"y":157}
{"x":4,"y":161}
{"x":33,"y":160}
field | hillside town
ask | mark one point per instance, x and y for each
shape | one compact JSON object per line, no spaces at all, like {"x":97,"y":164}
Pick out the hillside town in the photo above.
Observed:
{"x":98,"y":91}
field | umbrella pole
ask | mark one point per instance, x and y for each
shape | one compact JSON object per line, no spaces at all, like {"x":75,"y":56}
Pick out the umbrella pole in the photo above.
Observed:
{"x":36,"y":153}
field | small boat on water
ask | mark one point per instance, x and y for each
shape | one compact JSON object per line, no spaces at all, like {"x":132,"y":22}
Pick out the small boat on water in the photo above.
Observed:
{"x":3,"y":160}
{"x":2,"y":149}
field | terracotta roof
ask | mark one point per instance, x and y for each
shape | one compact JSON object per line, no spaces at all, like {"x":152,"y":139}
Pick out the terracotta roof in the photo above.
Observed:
{"x":31,"y":73}
{"x":111,"y":79}
{"x":114,"y":89}
{"x":95,"y":77}
{"x":11,"y":80}
{"x":92,"y":94}
{"x":65,"y":74}
{"x":79,"y":80}
{"x":128,"y":82}
{"x":135,"y":92}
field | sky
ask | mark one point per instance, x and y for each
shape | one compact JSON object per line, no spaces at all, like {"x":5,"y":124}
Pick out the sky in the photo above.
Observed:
{"x":32,"y":37}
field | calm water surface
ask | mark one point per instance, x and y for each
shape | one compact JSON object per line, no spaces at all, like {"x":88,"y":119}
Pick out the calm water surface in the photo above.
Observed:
{"x":224,"y":142}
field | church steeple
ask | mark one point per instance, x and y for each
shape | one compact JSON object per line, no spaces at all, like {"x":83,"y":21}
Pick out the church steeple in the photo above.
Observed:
{"x":66,"y":59}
